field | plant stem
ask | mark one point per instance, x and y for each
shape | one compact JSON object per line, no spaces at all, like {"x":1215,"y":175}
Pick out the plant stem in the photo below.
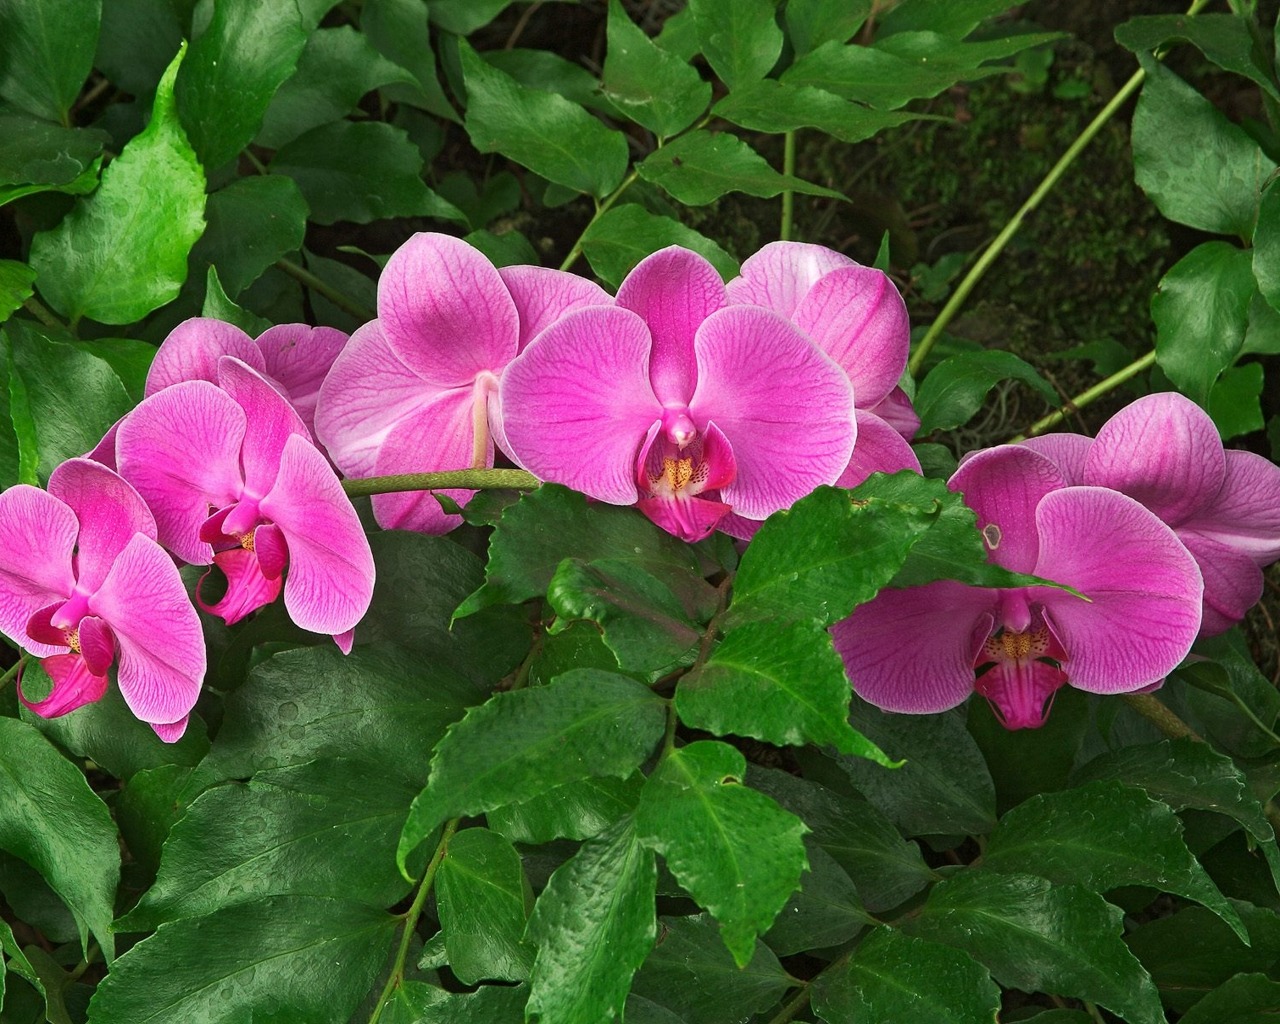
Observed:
{"x":343,"y":302}
{"x":601,"y":209}
{"x":1085,"y":397}
{"x":33,"y":306}
{"x":793,"y":1005}
{"x":788,"y":197}
{"x":470,"y":479}
{"x":13,"y":670}
{"x":411,"y":919}
{"x":1161,"y":716}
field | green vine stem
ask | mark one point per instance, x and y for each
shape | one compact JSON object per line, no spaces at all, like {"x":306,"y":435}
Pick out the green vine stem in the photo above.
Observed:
{"x":33,"y":306}
{"x":411,"y":919}
{"x":992,"y":251}
{"x":1161,"y":716}
{"x":602,"y":208}
{"x":13,"y":670}
{"x":343,"y":302}
{"x":469,"y":479}
{"x":788,"y":196}
{"x":1085,"y":397}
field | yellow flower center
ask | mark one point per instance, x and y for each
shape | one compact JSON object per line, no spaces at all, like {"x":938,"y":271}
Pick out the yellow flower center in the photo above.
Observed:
{"x":677,"y":472}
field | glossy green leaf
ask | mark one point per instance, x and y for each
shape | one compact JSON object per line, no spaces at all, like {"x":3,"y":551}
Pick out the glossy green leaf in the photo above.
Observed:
{"x":626,"y":234}
{"x":540,"y":130}
{"x":877,"y":77}
{"x":525,"y":742}
{"x":1266,"y":246}
{"x":219,"y":307}
{"x":51,"y":819}
{"x":138,"y":38}
{"x":1199,"y":168}
{"x":1235,"y":401}
{"x":252,"y":222}
{"x":700,"y":167}
{"x":652,"y":86}
{"x":122,"y":251}
{"x":957,"y":387}
{"x":46,"y":53}
{"x":1224,"y":38}
{"x":483,"y":900}
{"x":734,"y":849}
{"x":829,"y":553}
{"x":549,"y":72}
{"x":399,"y":30}
{"x":273,"y":960}
{"x":783,"y":684}
{"x":1201,"y":313}
{"x":16,"y":280}
{"x":146,"y":810}
{"x":954,"y":18}
{"x":1244,"y":999}
{"x":236,"y":65}
{"x":772,"y":106}
{"x":576,"y":810}
{"x":38,"y":152}
{"x":17,"y":962}
{"x":463,"y":17}
{"x":824,"y":911}
{"x":1041,"y":937}
{"x":85,"y":183}
{"x":594,"y":925}
{"x":810,"y":23}
{"x":740,"y":38}
{"x":129,"y":357}
{"x":895,"y":977}
{"x":415,"y":1002}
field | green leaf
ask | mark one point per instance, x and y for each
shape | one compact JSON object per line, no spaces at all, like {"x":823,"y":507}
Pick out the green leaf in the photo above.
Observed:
{"x":776,"y":107}
{"x":251,"y":962}
{"x":1244,"y":999}
{"x":1224,"y":38}
{"x":46,"y":53}
{"x":957,"y":387}
{"x":734,"y":849}
{"x":130,"y":358}
{"x":781,"y":683}
{"x":138,"y":38}
{"x":810,"y":23}
{"x":954,"y":18}
{"x":626,"y":234}
{"x":877,"y":77}
{"x":740,"y":38}
{"x":1195,"y":165}
{"x":700,"y":167}
{"x":16,"y":280}
{"x":1040,"y":937}
{"x":38,"y":152}
{"x":219,"y":307}
{"x":548,"y":72}
{"x":414,"y":1002}
{"x":648,"y":84}
{"x":236,"y":65}
{"x":1101,"y":836}
{"x":51,"y":819}
{"x":824,"y":911}
{"x":400,"y":31}
{"x":146,"y":810}
{"x":1201,"y":312}
{"x":594,"y":925}
{"x":1235,"y":402}
{"x":525,"y":742}
{"x":252,"y":223}
{"x":894,"y":977}
{"x":462,"y":17}
{"x":483,"y":900}
{"x":540,"y":130}
{"x":828,"y":553}
{"x":576,"y":810}
{"x":122,"y":252}
{"x":1266,"y":246}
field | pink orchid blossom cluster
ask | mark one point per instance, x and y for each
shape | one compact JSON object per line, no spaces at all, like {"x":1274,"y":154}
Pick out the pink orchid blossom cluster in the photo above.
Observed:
{"x":1161,"y":530}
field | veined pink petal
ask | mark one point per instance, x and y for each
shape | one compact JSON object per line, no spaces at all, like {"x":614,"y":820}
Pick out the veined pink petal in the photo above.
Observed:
{"x":298,"y":356}
{"x":173,"y":731}
{"x":192,"y":350}
{"x":37,"y":535}
{"x":104,"y":452}
{"x":271,"y":421}
{"x":1065,"y":450}
{"x":1233,"y":582}
{"x":272,"y":550}
{"x":97,"y":644}
{"x":330,"y":580}
{"x":897,"y":411}
{"x":74,"y":686}
{"x":159,"y":640}
{"x":1021,"y":692}
{"x":856,"y":316}
{"x":109,"y":511}
{"x":543,"y":295}
{"x":445,"y":311}
{"x":879,"y":449}
{"x":1004,"y":486}
{"x":248,"y":588}
{"x":180,"y":449}
{"x":577,"y":403}
{"x":690,"y":519}
{"x":781,"y":274}
{"x":673,"y":290}
{"x":1162,"y":450}
{"x":786,"y":408}
{"x":1143,"y":587}
{"x":913,"y":650}
{"x":1245,"y":515}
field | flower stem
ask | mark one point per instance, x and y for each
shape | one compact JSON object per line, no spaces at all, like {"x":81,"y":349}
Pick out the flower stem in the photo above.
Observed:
{"x":13,"y":670}
{"x":602,"y":208}
{"x":1085,"y":397}
{"x":788,"y":196}
{"x":469,"y":479}
{"x":411,"y":919}
{"x":343,"y":302}
{"x":37,"y":309}
{"x":1161,"y":716}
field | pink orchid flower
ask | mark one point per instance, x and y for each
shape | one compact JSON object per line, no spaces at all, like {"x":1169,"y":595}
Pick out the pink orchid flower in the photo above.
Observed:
{"x":925,"y":649}
{"x":84,"y":585}
{"x":1224,"y":505}
{"x":415,"y":390}
{"x":233,"y":479}
{"x":679,"y":402}
{"x":857,"y":317}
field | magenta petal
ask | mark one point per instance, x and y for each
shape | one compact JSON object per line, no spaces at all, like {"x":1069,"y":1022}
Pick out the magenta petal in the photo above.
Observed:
{"x":74,"y":686}
{"x":1142,"y":585}
{"x":781,"y":274}
{"x":297,"y":356}
{"x":192,"y":350}
{"x":785,"y":407}
{"x":330,"y":580}
{"x":1021,"y":692}
{"x":690,"y":519}
{"x":577,"y":403}
{"x":109,"y":511}
{"x":1233,"y":583}
{"x":345,"y":640}
{"x":272,"y":551}
{"x":856,"y":316}
{"x":41,"y":629}
{"x":1003,"y":486}
{"x":248,"y":589}
{"x":897,"y":411}
{"x":1067,"y":451}
{"x":1245,"y":515}
{"x":173,"y":731}
{"x":913,"y":650}
{"x":104,"y":451}
{"x":97,"y":644}
{"x":879,"y":449}
{"x":543,"y":295}
{"x":1162,"y":450}
{"x":271,"y":422}
{"x":673,"y":291}
{"x":37,"y":535}
{"x":445,"y":311}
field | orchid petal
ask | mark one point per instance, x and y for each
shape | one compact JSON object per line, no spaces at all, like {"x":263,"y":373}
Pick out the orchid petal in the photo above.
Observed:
{"x":543,"y":295}
{"x":97,"y":644}
{"x":690,"y":519}
{"x":577,"y":403}
{"x":1233,"y":583}
{"x":158,"y":635}
{"x":104,"y":451}
{"x":896,"y":410}
{"x":37,"y":535}
{"x":172,"y":731}
{"x":913,"y":650}
{"x":49,"y":638}
{"x":1003,"y":486}
{"x":271,"y":422}
{"x":345,"y":640}
{"x":298,"y":356}
{"x":272,"y":550}
{"x":74,"y":686}
{"x":192,"y":350}
{"x":674,"y":290}
{"x":1067,"y":451}
{"x":248,"y":588}
{"x":109,"y":511}
{"x":445,"y":311}
{"x":879,"y":449}
{"x":1021,"y":692}
{"x":785,"y":407}
{"x":180,"y":449}
{"x":1162,"y":450}
{"x":1142,"y":586}
{"x":1245,"y":516}
{"x":330,"y":580}
{"x":780,"y":274}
